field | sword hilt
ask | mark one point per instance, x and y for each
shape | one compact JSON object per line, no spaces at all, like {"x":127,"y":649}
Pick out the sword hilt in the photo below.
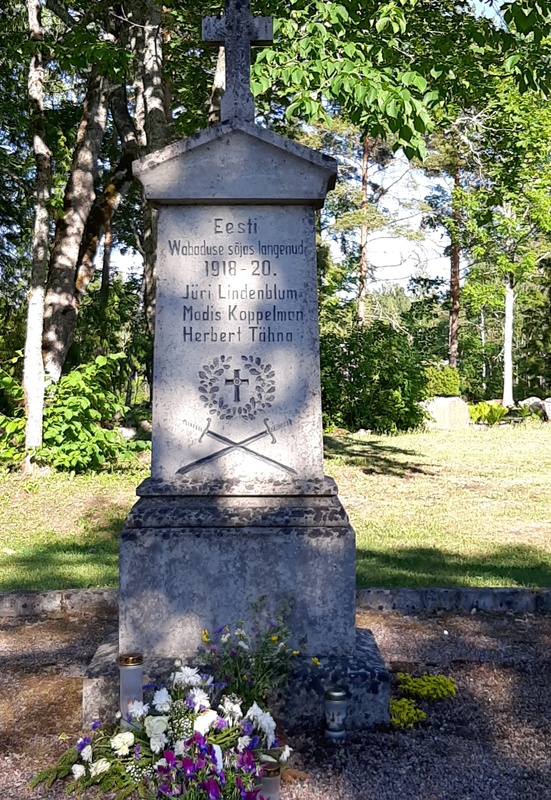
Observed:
{"x":270,"y":431}
{"x":206,"y":428}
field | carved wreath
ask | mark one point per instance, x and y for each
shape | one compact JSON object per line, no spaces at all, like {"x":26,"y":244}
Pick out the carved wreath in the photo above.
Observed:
{"x":255,"y":382}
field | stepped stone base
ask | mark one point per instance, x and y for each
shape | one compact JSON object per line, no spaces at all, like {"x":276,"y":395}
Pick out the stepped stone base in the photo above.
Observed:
{"x":190,"y":562}
{"x":363,"y":674}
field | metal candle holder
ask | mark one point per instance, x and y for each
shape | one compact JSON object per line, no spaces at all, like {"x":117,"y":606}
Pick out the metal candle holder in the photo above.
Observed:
{"x":336,"y":703}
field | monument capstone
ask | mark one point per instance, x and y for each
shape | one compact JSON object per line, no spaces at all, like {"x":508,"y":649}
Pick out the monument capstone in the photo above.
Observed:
{"x":237,"y":505}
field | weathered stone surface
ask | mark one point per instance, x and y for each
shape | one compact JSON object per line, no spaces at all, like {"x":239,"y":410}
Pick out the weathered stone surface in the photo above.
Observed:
{"x":364,"y":676}
{"x":236,"y":345}
{"x":260,"y":512}
{"x":535,"y":403}
{"x":547,"y":408}
{"x":236,"y":162}
{"x":253,"y":485}
{"x":176,"y":582}
{"x":431,"y":601}
{"x":447,"y":413}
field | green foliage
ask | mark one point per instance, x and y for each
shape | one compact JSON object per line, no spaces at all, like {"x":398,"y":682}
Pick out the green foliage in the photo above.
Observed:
{"x":442,"y":381}
{"x":79,"y":421}
{"x":427,"y":687}
{"x":405,"y":713}
{"x":487,"y":413}
{"x":371,"y":378}
{"x":253,"y":666}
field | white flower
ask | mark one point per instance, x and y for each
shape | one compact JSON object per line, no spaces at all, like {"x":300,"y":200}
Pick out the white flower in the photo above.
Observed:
{"x":242,"y":743}
{"x":243,"y":645}
{"x":179,"y":747}
{"x":86,"y":753}
{"x":177,"y":663}
{"x":162,"y":762}
{"x":99,"y":767}
{"x":264,"y":721}
{"x":231,"y":710}
{"x":199,"y":698}
{"x":204,"y":721}
{"x":157,"y":742}
{"x":162,"y":700}
{"x":240,"y":632}
{"x":268,"y":759}
{"x":217,"y":750}
{"x":285,"y":753}
{"x":137,"y":709}
{"x":225,"y":638}
{"x":78,"y":770}
{"x":122,"y":742}
{"x":186,"y":676}
{"x":155,"y":725}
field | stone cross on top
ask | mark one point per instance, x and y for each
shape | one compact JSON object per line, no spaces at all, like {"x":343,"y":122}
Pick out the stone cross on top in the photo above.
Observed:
{"x":237,"y":30}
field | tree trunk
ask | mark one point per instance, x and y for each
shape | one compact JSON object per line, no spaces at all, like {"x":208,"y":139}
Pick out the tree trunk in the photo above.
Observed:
{"x":62,"y":297}
{"x":508,"y":399}
{"x":483,"y":345}
{"x":155,"y":133}
{"x":455,"y":257}
{"x":363,"y":267}
{"x":33,"y":368}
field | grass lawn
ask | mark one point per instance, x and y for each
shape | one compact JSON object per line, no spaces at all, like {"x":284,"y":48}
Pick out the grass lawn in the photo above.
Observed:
{"x":469,"y":508}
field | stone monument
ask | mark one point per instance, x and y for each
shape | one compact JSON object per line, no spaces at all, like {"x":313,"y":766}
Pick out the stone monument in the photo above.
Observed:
{"x":237,"y":505}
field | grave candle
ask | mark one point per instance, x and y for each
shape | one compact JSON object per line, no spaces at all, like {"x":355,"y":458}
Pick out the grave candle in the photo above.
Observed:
{"x":131,"y":681}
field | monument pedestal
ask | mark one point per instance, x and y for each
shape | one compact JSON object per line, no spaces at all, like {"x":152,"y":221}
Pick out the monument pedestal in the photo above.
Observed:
{"x":190,"y":562}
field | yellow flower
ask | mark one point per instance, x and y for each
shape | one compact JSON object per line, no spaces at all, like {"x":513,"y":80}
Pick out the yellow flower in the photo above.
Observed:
{"x":205,"y":636}
{"x":316,"y":661}
{"x":274,"y":638}
{"x":245,"y":677}
{"x":296,"y":652}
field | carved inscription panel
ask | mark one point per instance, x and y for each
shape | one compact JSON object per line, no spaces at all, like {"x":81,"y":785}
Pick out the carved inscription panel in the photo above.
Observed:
{"x":237,"y":390}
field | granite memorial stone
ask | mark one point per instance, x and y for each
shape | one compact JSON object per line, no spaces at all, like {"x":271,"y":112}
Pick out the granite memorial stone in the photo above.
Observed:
{"x":237,"y":505}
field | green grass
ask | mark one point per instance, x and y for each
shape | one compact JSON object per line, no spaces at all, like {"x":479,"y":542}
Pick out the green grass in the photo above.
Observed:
{"x":469,"y":508}
{"x":58,"y":532}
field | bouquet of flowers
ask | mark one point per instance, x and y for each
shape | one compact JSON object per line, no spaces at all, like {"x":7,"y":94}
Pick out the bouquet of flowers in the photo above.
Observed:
{"x":194,"y":738}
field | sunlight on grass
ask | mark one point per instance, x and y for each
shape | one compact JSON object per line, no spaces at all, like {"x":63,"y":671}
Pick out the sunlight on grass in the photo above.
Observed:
{"x":462,"y":508}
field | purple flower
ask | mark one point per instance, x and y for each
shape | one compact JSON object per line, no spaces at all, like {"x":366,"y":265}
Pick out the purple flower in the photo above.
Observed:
{"x":188,"y":767}
{"x":246,"y":762}
{"x":212,"y":789}
{"x":247,"y":727}
{"x":233,"y":652}
{"x":219,"y":630}
{"x":137,"y":752}
{"x":170,"y":758}
{"x":221,"y":724}
{"x":82,"y":743}
{"x":273,"y":623}
{"x":254,"y":743}
{"x":246,"y":794}
{"x":213,"y":648}
{"x":96,"y":723}
{"x":164,"y":789}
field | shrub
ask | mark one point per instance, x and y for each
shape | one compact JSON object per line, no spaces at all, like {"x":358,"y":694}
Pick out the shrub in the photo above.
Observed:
{"x":427,"y":687}
{"x":487,"y":413}
{"x":371,"y":378}
{"x":404,"y":713}
{"x":442,"y":381}
{"x":79,"y":430}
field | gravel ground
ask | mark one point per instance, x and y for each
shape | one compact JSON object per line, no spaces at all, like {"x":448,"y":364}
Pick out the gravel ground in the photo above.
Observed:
{"x":492,"y":741}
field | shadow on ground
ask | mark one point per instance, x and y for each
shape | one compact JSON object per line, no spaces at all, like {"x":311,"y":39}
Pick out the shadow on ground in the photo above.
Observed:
{"x":505,"y":565}
{"x":374,"y":457}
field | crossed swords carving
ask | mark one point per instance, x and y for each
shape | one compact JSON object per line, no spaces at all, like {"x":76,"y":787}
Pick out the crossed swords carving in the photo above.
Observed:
{"x":242,"y":445}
